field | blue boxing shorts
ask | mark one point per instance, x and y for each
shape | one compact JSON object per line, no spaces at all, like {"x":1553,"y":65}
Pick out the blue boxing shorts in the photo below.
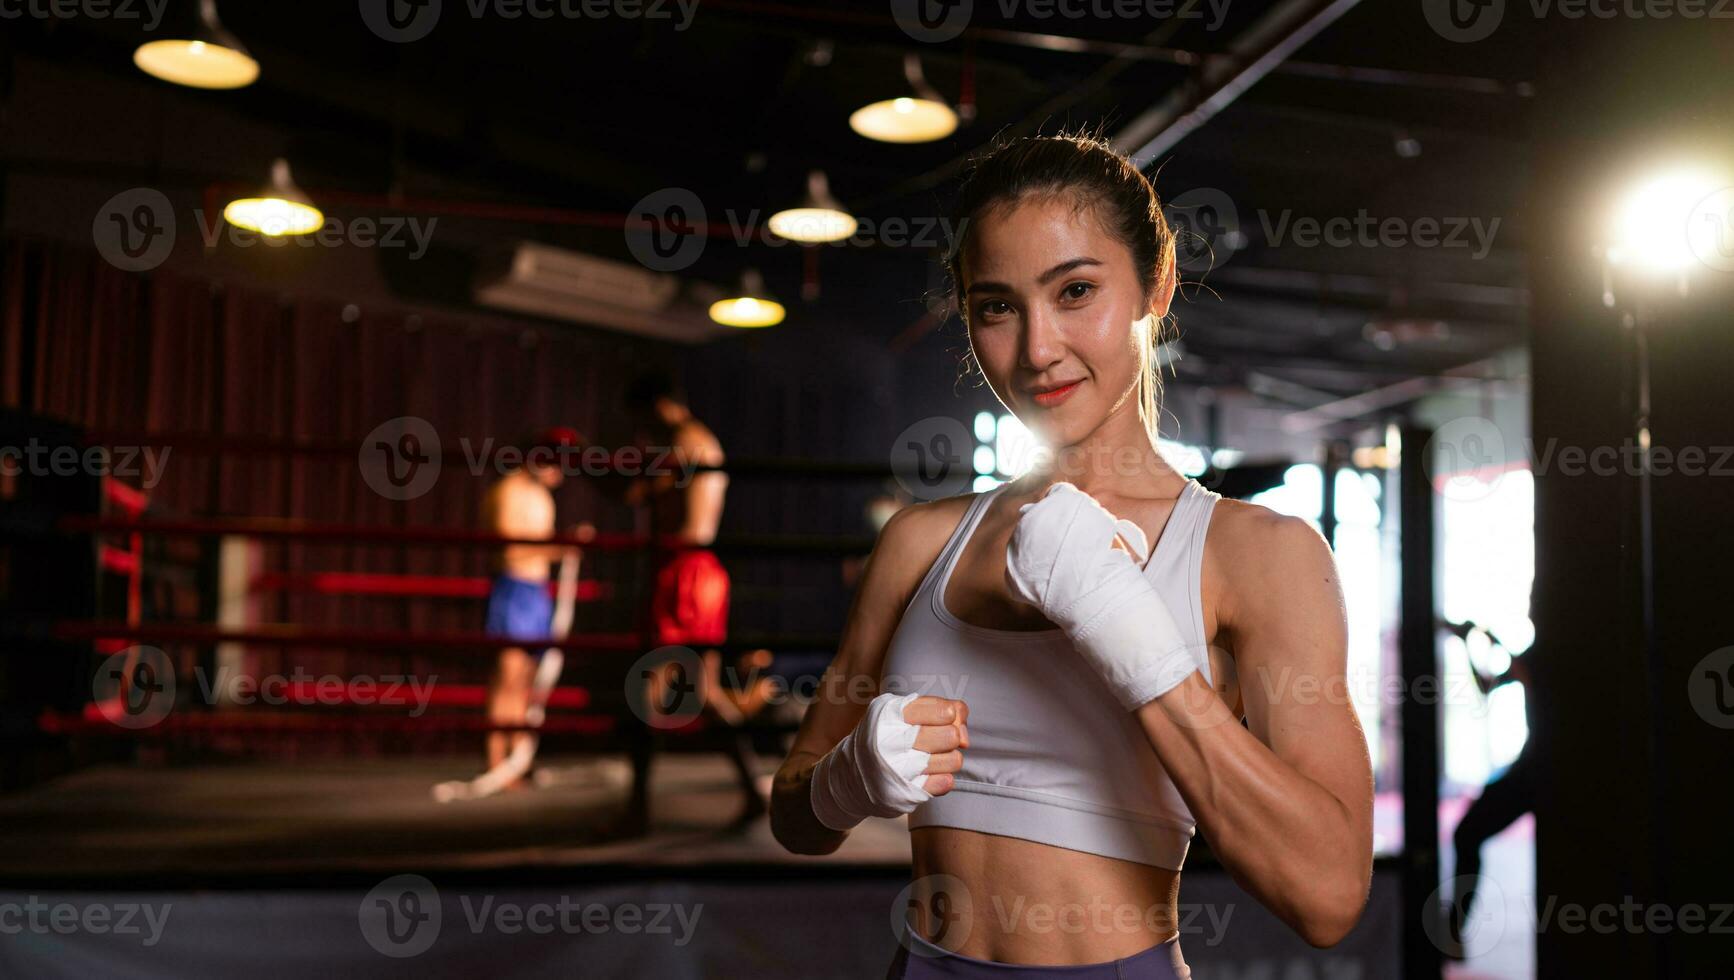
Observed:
{"x":520,"y":610}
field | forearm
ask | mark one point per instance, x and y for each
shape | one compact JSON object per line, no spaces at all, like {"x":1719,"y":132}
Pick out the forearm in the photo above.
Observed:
{"x":1286,"y":838}
{"x":793,"y":822}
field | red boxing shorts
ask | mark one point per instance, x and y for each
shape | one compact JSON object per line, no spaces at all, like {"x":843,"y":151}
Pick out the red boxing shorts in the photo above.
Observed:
{"x":691,"y":604}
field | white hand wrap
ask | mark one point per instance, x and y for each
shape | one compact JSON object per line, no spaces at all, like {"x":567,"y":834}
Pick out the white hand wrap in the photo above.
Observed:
{"x":876,"y":771}
{"x":1063,"y":561}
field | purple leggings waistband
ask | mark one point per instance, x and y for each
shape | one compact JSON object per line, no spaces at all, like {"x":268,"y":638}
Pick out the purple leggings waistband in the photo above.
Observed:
{"x":919,"y":959}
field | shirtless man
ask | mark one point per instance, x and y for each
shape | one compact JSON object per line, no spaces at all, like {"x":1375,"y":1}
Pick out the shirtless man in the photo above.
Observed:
{"x":521,"y":505}
{"x":690,"y":601}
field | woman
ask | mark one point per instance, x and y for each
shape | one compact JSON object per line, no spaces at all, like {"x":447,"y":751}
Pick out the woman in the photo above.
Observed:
{"x":1057,"y":707}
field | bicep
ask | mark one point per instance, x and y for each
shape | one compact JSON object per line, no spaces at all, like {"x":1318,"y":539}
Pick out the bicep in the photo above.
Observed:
{"x":1291,"y":655}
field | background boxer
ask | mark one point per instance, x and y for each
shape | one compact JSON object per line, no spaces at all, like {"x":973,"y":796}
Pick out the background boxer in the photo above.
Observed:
{"x":689,"y":601}
{"x":521,"y":505}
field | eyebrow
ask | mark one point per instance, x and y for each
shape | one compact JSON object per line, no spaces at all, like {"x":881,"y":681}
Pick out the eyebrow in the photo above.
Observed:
{"x":1043,"y":279}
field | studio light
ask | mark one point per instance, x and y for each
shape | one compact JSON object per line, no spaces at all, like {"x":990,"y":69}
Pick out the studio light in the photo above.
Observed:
{"x":921,"y":116}
{"x":279,"y":210}
{"x":207,"y":57}
{"x":752,"y":308}
{"x":817,"y":219}
{"x":1662,"y":226}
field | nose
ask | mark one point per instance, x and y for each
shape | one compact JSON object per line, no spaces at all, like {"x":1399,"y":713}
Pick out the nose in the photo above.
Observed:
{"x":1042,"y":344}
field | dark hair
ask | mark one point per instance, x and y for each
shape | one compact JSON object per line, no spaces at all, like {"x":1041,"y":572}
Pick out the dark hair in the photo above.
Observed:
{"x":1100,"y":180}
{"x":643,"y":391}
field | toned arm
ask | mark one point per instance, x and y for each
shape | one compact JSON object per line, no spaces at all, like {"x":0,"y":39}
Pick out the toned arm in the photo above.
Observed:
{"x":907,"y":547}
{"x":1287,"y":802}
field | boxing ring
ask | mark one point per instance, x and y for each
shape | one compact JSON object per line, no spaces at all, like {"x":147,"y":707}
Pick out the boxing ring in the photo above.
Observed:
{"x":300,"y":812}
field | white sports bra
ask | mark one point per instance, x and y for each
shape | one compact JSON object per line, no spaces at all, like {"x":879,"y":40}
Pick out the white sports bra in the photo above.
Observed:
{"x":1053,"y":758}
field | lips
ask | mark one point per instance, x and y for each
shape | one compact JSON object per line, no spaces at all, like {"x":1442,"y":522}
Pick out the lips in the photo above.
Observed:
{"x":1050,"y":397}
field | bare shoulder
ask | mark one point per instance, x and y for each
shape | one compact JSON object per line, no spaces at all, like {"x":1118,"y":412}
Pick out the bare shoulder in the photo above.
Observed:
{"x":1262,"y":553}
{"x":695,"y":437}
{"x":912,"y":540}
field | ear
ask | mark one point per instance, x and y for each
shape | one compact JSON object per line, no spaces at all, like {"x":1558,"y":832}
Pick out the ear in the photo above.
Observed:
{"x":1165,"y":283}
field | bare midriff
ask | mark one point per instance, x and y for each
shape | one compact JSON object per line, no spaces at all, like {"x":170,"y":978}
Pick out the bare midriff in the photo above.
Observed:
{"x":1016,"y":901}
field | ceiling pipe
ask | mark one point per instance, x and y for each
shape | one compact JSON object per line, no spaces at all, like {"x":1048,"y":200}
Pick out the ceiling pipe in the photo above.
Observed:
{"x":1222,"y":78}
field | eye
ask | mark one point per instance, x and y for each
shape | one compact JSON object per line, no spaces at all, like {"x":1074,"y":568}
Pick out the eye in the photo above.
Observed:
{"x":991,"y":308}
{"x":1078,"y":290}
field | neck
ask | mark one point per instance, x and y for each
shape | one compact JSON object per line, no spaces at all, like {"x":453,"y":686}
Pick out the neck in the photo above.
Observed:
{"x":1118,"y":458}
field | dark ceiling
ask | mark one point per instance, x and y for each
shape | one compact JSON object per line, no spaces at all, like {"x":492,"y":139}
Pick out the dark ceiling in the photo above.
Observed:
{"x":585,"y":116}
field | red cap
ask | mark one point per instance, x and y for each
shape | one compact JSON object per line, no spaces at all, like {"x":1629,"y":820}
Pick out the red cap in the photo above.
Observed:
{"x":559,"y":436}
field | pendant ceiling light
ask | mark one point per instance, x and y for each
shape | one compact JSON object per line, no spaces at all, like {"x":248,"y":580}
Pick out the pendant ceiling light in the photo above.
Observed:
{"x":818,"y":218}
{"x":206,"y":56}
{"x":752,"y":308}
{"x":280,"y":209}
{"x":919,"y":117}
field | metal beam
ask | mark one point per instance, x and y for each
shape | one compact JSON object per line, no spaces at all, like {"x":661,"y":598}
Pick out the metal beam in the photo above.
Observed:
{"x":1222,"y":78}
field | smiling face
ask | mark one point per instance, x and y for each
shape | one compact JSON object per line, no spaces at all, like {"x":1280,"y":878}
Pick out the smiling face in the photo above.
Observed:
{"x":1058,"y":316}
